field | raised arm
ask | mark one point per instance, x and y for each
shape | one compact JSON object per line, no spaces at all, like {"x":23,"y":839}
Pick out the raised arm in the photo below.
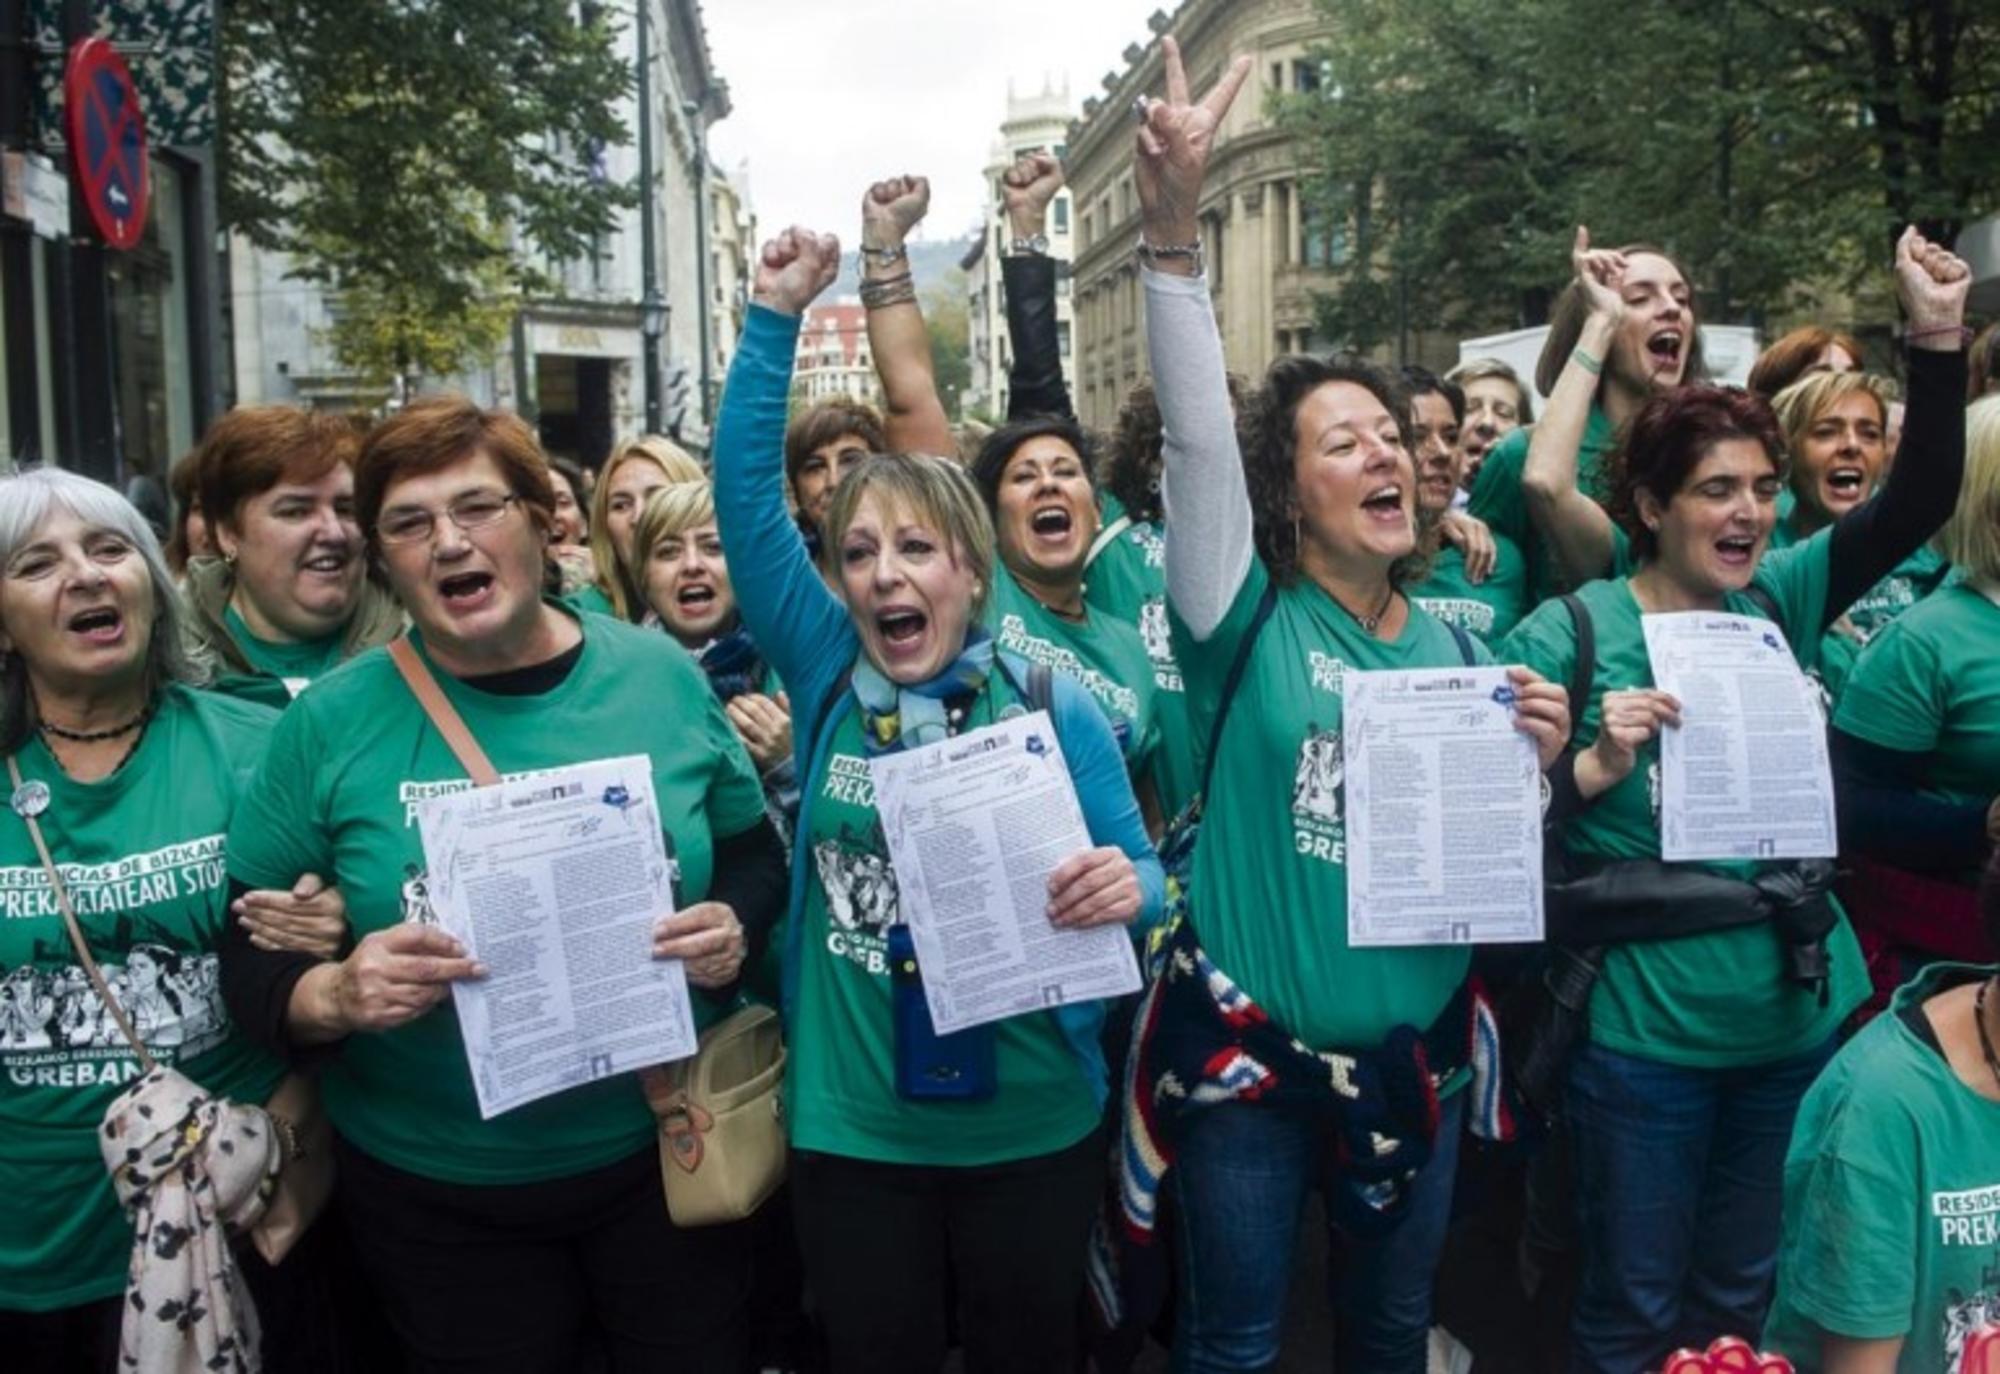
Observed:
{"x":1035,"y":383}
{"x":912,"y":416}
{"x":1869,"y":541}
{"x":1575,"y":526}
{"x":797,"y":622}
{"x":1202,"y":492}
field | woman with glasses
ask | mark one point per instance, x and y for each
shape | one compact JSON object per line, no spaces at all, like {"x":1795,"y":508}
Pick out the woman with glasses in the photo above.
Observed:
{"x":521,"y":1241}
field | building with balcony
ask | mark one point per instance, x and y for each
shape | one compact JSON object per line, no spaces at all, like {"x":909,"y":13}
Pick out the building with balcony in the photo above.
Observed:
{"x":833,"y":359}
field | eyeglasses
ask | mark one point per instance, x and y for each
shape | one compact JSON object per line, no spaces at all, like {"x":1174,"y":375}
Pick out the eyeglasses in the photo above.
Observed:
{"x":473,"y":511}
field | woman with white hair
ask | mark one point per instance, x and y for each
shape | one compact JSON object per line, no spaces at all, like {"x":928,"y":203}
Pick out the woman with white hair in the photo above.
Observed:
{"x":133,"y":775}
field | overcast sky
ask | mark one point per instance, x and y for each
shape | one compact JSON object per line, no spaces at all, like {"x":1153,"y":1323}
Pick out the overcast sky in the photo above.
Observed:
{"x":830,"y":95}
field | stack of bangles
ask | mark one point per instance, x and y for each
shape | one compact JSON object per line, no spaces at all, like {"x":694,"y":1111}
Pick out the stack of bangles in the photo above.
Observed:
{"x":900,"y":289}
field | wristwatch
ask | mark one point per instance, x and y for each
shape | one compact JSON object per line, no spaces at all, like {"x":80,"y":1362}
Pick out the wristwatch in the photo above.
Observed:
{"x":1037,"y":246}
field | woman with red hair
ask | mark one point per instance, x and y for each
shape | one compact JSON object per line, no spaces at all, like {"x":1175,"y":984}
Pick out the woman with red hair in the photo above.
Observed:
{"x":1707,"y":1023}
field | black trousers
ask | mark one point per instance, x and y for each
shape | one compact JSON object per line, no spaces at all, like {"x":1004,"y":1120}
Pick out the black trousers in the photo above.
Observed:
{"x":308,"y":1327}
{"x":879,"y":1240}
{"x":545,"y":1278}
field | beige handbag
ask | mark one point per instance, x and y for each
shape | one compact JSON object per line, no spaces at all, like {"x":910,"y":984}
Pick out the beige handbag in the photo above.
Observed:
{"x":722,"y":1123}
{"x":304,"y":1183}
{"x":722,"y":1138}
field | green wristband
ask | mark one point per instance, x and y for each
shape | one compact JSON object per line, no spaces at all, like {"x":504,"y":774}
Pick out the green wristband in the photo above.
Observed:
{"x":1594,"y":366}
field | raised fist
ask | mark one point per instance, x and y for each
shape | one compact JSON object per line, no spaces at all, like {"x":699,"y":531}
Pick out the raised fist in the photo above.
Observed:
{"x":1028,"y":187}
{"x":794,"y":268}
{"x":892,"y":208}
{"x":1932,"y":282}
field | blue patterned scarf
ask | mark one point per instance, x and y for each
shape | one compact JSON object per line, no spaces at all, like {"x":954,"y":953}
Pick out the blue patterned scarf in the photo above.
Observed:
{"x":733,"y":665}
{"x":894,"y":716}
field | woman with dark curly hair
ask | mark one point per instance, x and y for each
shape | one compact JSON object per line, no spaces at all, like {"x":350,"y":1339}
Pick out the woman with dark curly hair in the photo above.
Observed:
{"x":1707,"y":1025}
{"x":1284,"y":566}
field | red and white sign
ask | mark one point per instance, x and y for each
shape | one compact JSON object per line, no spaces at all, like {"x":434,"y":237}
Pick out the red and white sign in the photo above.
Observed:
{"x":107,"y":141}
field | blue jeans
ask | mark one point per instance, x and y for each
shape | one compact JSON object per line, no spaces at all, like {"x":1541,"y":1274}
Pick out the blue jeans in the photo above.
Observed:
{"x":1679,"y":1183}
{"x":1240,"y":1178}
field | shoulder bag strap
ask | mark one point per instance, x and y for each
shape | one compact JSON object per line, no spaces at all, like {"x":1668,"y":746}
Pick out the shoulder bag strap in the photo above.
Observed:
{"x":1265,"y":605}
{"x":1765,"y":603}
{"x":1585,"y":671}
{"x":443,"y":715}
{"x":1105,"y":537}
{"x":75,"y":930}
{"x":1464,"y":638}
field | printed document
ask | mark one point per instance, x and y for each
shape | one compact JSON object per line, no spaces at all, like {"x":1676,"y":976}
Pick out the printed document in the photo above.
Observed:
{"x":553,"y":881}
{"x":1746,"y":774}
{"x":1444,"y":800}
{"x":975,"y":825}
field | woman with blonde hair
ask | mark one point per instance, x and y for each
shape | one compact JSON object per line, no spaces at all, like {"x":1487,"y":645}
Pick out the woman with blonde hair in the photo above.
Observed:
{"x":1916,"y":739}
{"x":636,"y":469}
{"x":992,"y":1171}
{"x":1836,"y":433}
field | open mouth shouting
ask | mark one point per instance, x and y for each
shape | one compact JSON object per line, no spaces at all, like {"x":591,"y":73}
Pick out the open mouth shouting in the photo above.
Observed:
{"x":1384,"y":505}
{"x":1051,"y":525}
{"x":1737,"y":552}
{"x":98,"y":625}
{"x":901,"y":629}
{"x":465,"y":592}
{"x":1663,"y":350}
{"x":695,"y":598}
{"x":1846,"y":484}
{"x":330,"y":563}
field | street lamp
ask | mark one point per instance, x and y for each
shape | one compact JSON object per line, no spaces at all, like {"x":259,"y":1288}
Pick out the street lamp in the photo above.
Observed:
{"x":652,"y":304}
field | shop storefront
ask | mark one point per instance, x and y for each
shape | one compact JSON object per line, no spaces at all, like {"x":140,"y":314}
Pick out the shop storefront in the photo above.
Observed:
{"x":110,"y":355}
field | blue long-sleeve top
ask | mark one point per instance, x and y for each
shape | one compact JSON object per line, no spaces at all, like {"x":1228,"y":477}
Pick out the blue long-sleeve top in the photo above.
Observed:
{"x":805,"y":633}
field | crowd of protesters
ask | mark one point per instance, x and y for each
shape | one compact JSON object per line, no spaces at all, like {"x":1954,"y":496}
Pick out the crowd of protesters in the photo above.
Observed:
{"x":1773,"y":1114}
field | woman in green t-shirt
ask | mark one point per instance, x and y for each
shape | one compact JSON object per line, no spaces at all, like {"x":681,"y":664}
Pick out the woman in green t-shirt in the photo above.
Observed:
{"x":1701,"y":1044}
{"x":1836,"y":425}
{"x":915,"y":1157}
{"x":288,"y":598}
{"x":1275,"y":1056}
{"x":521,"y":1241}
{"x":138,"y":775}
{"x":1037,"y":475}
{"x":1916,"y":738}
{"x":685,"y":578}
{"x":634,"y":472}
{"x":1891,"y":1255}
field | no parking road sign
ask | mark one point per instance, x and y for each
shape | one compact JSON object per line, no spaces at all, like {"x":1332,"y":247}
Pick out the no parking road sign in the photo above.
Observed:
{"x":107,"y":140}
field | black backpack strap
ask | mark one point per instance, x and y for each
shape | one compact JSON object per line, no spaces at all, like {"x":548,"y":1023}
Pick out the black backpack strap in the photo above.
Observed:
{"x":1767,"y":605}
{"x":1464,"y":638}
{"x":1041,"y":691}
{"x":1265,"y":605}
{"x":1585,"y":670}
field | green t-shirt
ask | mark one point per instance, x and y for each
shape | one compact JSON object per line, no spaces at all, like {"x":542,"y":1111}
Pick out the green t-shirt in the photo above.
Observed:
{"x":141,"y":855}
{"x":591,"y":599}
{"x":1498,"y":499}
{"x":295,"y":664}
{"x":1103,"y":655}
{"x":841,"y":1086}
{"x":1929,"y":684}
{"x":1128,"y":582}
{"x":1708,"y":1001}
{"x":1269,"y":888}
{"x":1915,"y":578}
{"x":338,"y":794}
{"x":1488,"y":610}
{"x":1892,"y":1198}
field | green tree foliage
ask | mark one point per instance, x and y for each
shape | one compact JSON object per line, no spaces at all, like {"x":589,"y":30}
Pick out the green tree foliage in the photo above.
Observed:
{"x":420,"y":157}
{"x":950,"y":325}
{"x":1766,"y":142}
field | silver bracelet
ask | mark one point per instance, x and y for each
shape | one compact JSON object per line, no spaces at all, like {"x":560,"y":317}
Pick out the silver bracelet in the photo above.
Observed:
{"x":1152,"y":254}
{"x":885,"y":256}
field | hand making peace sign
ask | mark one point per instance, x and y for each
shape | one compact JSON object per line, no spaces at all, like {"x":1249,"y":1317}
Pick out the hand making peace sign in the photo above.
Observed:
{"x":1176,"y":136}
